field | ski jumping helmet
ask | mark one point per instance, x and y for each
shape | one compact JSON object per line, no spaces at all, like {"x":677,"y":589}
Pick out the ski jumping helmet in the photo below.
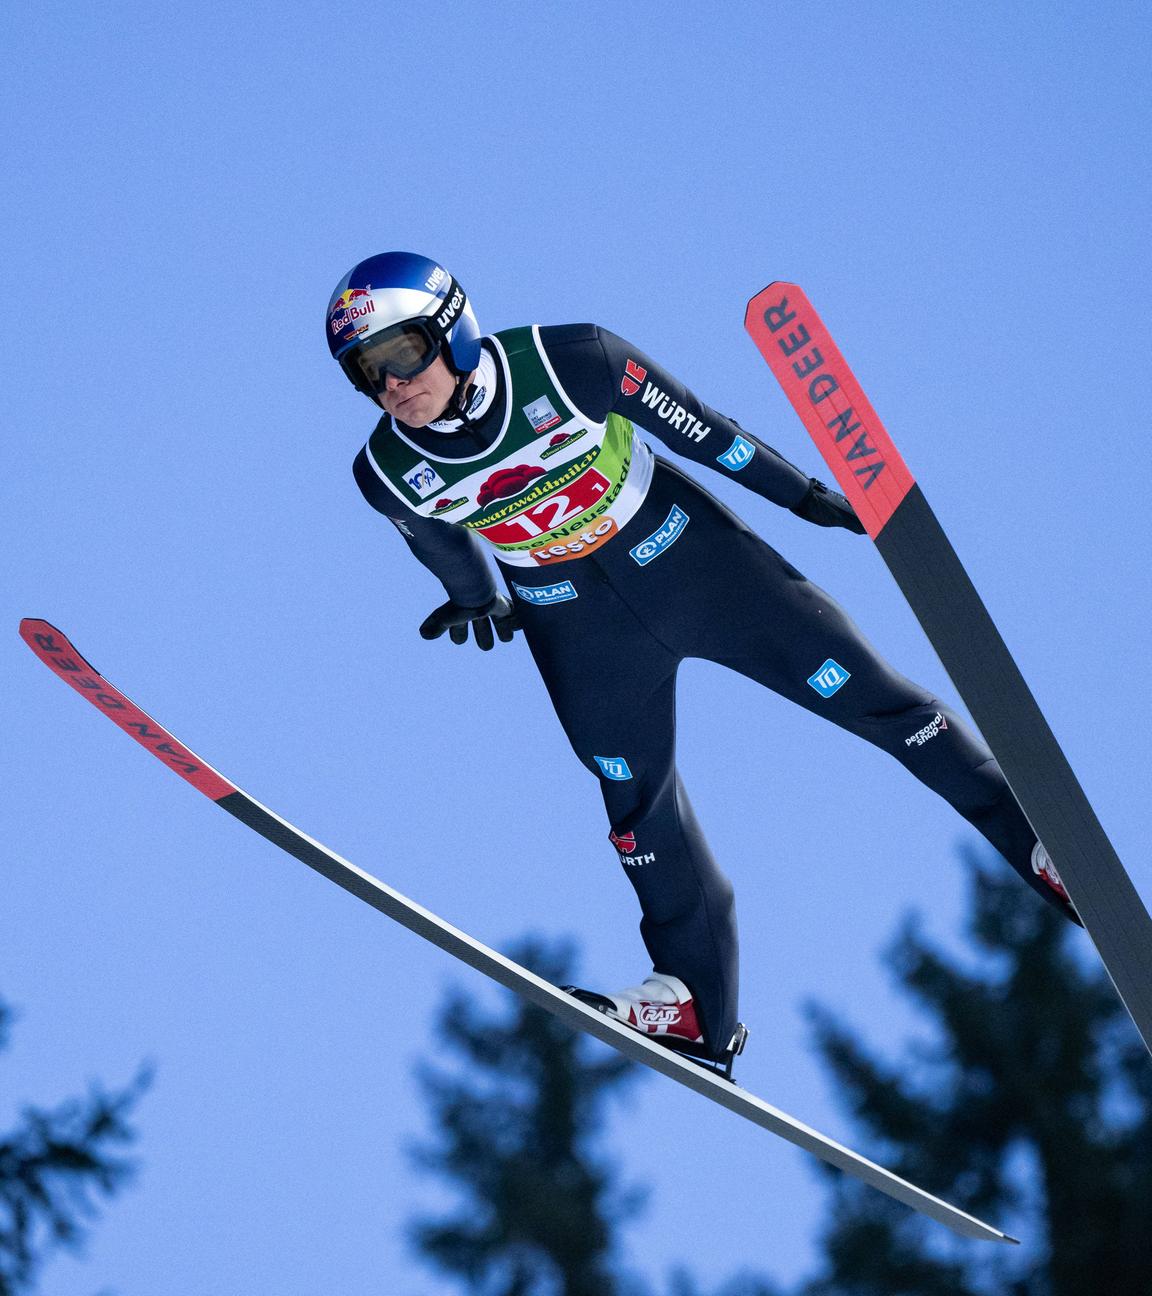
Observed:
{"x":394,"y":314}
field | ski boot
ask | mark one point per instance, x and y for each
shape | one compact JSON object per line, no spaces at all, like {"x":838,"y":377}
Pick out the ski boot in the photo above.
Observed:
{"x":1043,"y":867}
{"x":663,"y":1009}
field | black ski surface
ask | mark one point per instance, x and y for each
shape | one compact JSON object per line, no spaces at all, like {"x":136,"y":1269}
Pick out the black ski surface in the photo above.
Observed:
{"x":824,"y":392}
{"x":54,"y":649}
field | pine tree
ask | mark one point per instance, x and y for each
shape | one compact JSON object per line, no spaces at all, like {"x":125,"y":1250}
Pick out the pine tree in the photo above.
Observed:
{"x":53,"y":1167}
{"x":517,"y":1132}
{"x":1030,"y":1104}
{"x":540,"y":1211}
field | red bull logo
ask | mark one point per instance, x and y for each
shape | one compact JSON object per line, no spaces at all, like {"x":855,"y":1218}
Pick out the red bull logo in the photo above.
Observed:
{"x":351,"y":305}
{"x":347,"y":297}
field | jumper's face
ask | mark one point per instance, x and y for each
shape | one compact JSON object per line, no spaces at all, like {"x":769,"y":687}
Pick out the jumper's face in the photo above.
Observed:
{"x":419,"y":400}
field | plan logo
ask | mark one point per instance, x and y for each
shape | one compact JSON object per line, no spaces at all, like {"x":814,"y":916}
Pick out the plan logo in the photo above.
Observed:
{"x":561,"y":592}
{"x":660,"y":540}
{"x":541,"y":415}
{"x":830,"y":678}
{"x":424,"y":480}
{"x":738,"y":455}
{"x":614,"y":768}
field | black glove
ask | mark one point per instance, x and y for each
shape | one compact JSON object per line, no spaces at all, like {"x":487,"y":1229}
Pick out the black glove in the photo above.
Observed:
{"x":498,"y":612}
{"x":827,"y":508}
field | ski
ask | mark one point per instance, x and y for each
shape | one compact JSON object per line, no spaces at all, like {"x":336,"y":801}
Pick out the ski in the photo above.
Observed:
{"x":54,"y":649}
{"x":873,"y":475}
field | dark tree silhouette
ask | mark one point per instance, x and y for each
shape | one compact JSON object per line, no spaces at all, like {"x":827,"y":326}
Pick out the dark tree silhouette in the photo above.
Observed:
{"x":54,"y":1167}
{"x":516,"y":1126}
{"x":1029,"y":1104}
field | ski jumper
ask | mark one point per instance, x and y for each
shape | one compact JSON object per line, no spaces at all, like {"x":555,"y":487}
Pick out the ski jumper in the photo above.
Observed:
{"x":621,"y":566}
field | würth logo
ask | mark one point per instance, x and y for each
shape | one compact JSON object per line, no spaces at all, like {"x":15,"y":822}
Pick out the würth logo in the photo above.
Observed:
{"x":634,"y":375}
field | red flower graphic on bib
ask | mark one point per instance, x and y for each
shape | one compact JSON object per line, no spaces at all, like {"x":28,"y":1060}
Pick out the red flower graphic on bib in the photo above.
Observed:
{"x":507,"y":481}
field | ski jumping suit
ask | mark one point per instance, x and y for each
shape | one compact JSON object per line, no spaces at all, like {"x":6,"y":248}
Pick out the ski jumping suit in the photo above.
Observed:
{"x":621,"y":566}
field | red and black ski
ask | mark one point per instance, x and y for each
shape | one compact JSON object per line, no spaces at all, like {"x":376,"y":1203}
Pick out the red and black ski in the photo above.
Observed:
{"x":870,"y":471}
{"x":55,"y":651}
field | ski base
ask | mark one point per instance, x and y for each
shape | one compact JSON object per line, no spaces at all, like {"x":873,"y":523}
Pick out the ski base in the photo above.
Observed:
{"x":55,"y":650}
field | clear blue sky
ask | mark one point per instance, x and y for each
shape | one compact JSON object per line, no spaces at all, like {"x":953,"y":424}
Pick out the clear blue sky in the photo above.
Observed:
{"x":963,"y":191}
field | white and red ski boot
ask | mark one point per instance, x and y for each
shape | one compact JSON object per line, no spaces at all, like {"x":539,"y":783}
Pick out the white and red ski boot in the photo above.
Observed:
{"x":663,"y":1008}
{"x":1043,"y":867}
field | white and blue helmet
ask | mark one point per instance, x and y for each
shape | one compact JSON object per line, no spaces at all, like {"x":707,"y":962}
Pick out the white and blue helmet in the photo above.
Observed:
{"x":395,"y":313}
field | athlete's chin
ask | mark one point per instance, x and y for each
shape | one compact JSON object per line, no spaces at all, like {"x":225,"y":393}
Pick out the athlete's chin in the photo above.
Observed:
{"x":413,"y":410}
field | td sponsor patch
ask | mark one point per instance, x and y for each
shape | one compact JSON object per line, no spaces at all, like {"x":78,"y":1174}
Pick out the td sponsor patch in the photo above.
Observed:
{"x":830,"y":678}
{"x":738,"y":455}
{"x":614,"y":768}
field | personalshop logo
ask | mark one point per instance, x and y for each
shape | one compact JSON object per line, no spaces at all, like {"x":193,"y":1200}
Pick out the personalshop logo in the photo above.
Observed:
{"x":660,"y":540}
{"x":561,"y":592}
{"x":738,"y":455}
{"x":424,"y":480}
{"x":934,"y":726}
{"x":614,"y":768}
{"x":830,"y":678}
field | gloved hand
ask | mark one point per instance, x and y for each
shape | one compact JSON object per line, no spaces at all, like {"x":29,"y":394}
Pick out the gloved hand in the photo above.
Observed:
{"x":498,"y":612}
{"x":827,"y":508}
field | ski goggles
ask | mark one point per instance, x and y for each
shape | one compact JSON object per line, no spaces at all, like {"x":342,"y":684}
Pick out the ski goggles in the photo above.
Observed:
{"x":403,"y":350}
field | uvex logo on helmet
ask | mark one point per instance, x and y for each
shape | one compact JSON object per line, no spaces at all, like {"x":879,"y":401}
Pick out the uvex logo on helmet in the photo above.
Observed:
{"x":447,"y":316}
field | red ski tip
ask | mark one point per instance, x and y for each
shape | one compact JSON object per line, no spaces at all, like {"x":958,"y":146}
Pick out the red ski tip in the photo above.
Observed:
{"x":55,"y":650}
{"x":824,"y":392}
